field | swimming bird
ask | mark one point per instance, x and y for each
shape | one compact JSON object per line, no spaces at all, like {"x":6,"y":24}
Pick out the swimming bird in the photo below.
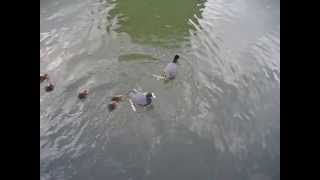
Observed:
{"x":43,"y":77}
{"x":83,"y":94}
{"x":135,"y":98}
{"x":112,"y":106}
{"x":170,"y":71}
{"x":115,"y":100}
{"x":141,"y":99}
{"x":49,"y":87}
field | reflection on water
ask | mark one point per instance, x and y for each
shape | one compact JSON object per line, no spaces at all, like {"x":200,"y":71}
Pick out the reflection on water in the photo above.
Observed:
{"x":135,"y":56}
{"x":219,"y":119}
{"x":157,"y":22}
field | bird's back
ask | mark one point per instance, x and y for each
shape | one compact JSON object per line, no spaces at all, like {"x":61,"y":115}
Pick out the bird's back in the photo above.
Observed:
{"x":171,"y":70}
{"x":138,"y":98}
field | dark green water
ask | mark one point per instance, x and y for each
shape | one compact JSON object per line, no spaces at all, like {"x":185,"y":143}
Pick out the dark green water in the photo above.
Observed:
{"x":219,"y":119}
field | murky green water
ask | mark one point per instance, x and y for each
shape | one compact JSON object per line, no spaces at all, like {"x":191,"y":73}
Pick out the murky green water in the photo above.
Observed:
{"x":219,"y":119}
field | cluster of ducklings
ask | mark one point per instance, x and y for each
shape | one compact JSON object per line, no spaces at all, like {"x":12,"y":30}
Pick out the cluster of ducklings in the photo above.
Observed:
{"x":50,"y":86}
{"x":136,"y":98}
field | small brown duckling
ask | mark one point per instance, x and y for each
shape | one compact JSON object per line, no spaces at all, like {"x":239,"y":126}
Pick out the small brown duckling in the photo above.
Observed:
{"x":49,"y":87}
{"x":83,"y":94}
{"x":112,"y":106}
{"x":117,"y":98}
{"x":43,"y":77}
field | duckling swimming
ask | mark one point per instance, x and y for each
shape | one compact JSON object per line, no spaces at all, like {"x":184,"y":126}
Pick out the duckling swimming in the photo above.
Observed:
{"x":49,"y":87}
{"x":83,"y":94}
{"x":43,"y":77}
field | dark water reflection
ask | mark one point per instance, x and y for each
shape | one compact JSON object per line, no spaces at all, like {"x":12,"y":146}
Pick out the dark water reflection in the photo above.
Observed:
{"x":163,"y":22}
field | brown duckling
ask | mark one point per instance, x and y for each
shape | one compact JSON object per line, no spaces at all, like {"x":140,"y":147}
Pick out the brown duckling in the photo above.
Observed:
{"x":49,"y":87}
{"x":112,"y":106}
{"x":83,"y":94}
{"x":117,"y":98}
{"x":43,"y":77}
